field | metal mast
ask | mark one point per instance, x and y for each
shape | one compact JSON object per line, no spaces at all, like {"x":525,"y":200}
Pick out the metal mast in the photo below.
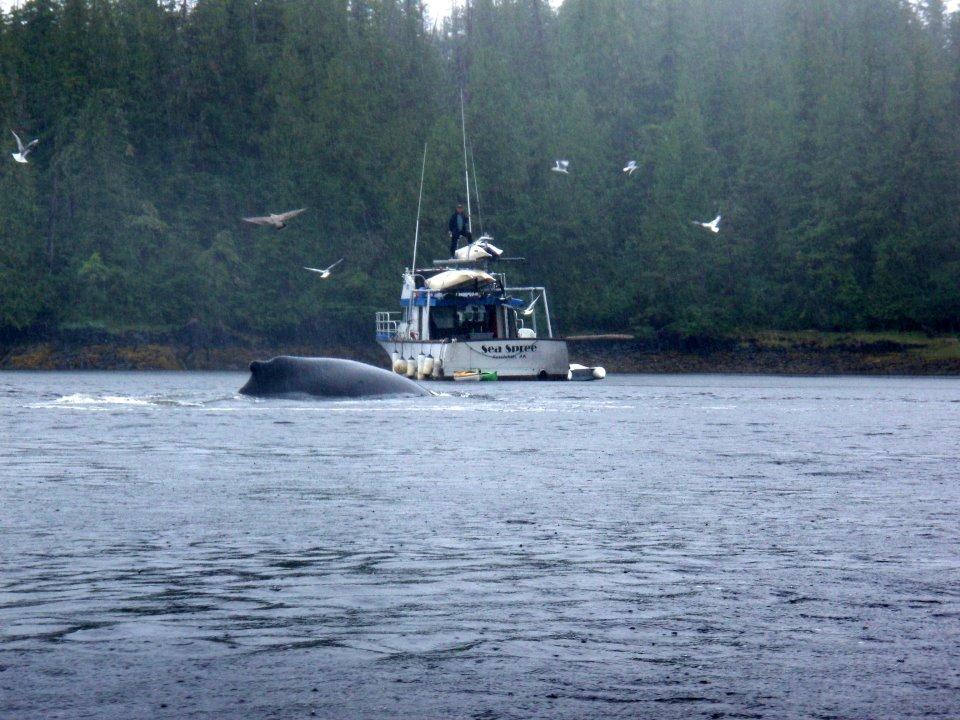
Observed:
{"x":476,"y":189}
{"x":416,"y":233}
{"x":466,"y":168}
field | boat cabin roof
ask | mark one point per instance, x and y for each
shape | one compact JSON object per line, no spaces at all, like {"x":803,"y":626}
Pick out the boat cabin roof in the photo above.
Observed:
{"x":492,"y":294}
{"x":423,"y":297}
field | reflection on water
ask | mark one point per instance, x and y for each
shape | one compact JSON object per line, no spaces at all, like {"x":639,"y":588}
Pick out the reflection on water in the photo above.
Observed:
{"x":667,"y":547}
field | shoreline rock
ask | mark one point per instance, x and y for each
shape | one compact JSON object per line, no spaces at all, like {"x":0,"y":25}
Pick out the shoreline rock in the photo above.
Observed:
{"x":619,"y":355}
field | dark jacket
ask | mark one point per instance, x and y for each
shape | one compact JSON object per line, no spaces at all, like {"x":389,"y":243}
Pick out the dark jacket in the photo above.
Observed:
{"x":454,"y":230}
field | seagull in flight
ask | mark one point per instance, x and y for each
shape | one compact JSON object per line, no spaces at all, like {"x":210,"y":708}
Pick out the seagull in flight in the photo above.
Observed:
{"x":275,"y":221}
{"x":528,"y":310}
{"x":631,"y":167}
{"x":562,"y":166}
{"x":23,"y":150}
{"x":325,"y":273}
{"x":712,"y":226}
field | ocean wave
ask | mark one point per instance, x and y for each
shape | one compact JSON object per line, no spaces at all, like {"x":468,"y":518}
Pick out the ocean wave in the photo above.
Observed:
{"x":106,"y":401}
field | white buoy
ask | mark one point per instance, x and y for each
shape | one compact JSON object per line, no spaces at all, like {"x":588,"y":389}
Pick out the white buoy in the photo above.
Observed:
{"x":428,"y":365}
{"x":437,"y":368}
{"x":399,"y":366}
{"x":582,"y":372}
{"x":421,"y":358}
{"x":411,"y":367}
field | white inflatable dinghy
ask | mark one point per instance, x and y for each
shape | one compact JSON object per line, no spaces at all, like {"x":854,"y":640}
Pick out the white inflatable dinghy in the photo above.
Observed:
{"x":582,"y":372}
{"x":450,"y":279}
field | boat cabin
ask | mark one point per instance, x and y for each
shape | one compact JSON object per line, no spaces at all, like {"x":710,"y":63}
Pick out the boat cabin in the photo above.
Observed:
{"x":470,"y":311}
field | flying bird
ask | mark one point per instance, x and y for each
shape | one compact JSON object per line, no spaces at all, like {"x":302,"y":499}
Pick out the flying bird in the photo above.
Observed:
{"x":528,"y":310}
{"x":631,"y":166}
{"x":275,"y":221}
{"x":562,"y":166}
{"x":712,"y":226}
{"x":22,"y":151}
{"x":325,"y":273}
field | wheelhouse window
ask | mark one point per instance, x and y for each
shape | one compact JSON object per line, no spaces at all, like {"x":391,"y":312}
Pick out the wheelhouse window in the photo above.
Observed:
{"x":468,"y":322}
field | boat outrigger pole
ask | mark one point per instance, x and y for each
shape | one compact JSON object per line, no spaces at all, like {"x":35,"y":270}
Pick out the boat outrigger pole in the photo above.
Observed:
{"x":466,"y":168}
{"x":476,"y":189}
{"x":416,"y":233}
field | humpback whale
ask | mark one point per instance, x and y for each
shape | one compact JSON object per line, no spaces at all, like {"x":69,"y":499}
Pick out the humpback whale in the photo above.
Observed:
{"x":325,"y":377}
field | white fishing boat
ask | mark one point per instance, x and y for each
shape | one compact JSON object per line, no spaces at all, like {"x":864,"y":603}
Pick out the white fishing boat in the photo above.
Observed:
{"x":460,"y":319}
{"x":471,"y":327}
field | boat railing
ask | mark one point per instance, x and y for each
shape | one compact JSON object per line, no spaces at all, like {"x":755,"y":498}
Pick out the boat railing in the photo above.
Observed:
{"x":533,"y":290}
{"x":387,"y":325}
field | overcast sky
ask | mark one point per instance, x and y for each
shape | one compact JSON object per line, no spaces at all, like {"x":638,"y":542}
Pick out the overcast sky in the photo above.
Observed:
{"x":439,"y":8}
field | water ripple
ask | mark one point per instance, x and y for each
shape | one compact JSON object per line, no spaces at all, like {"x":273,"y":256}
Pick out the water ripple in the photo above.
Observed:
{"x":642,"y":547}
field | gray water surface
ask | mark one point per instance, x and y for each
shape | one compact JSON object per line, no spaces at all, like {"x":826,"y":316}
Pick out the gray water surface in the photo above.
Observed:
{"x":648,"y":546}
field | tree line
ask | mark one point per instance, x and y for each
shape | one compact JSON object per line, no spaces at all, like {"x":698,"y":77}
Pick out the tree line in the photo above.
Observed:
{"x":824,"y":131}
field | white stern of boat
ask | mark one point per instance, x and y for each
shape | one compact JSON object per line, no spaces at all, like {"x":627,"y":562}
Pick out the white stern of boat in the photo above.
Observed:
{"x":514,"y":359}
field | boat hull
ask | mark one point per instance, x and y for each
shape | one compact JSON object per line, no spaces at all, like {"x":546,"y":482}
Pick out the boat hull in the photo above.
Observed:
{"x":516,"y":359}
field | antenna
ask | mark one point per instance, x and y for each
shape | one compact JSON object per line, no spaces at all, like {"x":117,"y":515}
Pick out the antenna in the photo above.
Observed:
{"x":416,"y":233}
{"x":466,"y":170}
{"x":476,"y":188}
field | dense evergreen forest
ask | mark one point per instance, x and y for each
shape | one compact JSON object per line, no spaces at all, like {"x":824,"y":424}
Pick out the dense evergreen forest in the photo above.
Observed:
{"x":825,"y":131}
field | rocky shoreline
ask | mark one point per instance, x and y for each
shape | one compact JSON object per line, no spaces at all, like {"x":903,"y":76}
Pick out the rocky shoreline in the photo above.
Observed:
{"x":752,"y":359}
{"x":158,"y":356}
{"x":796,"y":354}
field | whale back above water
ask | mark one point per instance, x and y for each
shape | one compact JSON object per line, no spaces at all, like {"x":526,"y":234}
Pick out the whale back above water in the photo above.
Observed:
{"x":325,"y":377}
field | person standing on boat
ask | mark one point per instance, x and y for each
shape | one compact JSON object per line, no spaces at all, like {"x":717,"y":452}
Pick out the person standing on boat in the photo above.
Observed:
{"x":459,"y":226}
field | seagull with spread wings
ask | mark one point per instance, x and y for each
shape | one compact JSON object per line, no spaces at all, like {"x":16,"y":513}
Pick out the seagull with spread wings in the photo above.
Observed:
{"x":23,"y":150}
{"x":278,"y":221}
{"x":324,"y":273}
{"x":562,"y":166}
{"x":528,"y":310}
{"x":712,"y":226}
